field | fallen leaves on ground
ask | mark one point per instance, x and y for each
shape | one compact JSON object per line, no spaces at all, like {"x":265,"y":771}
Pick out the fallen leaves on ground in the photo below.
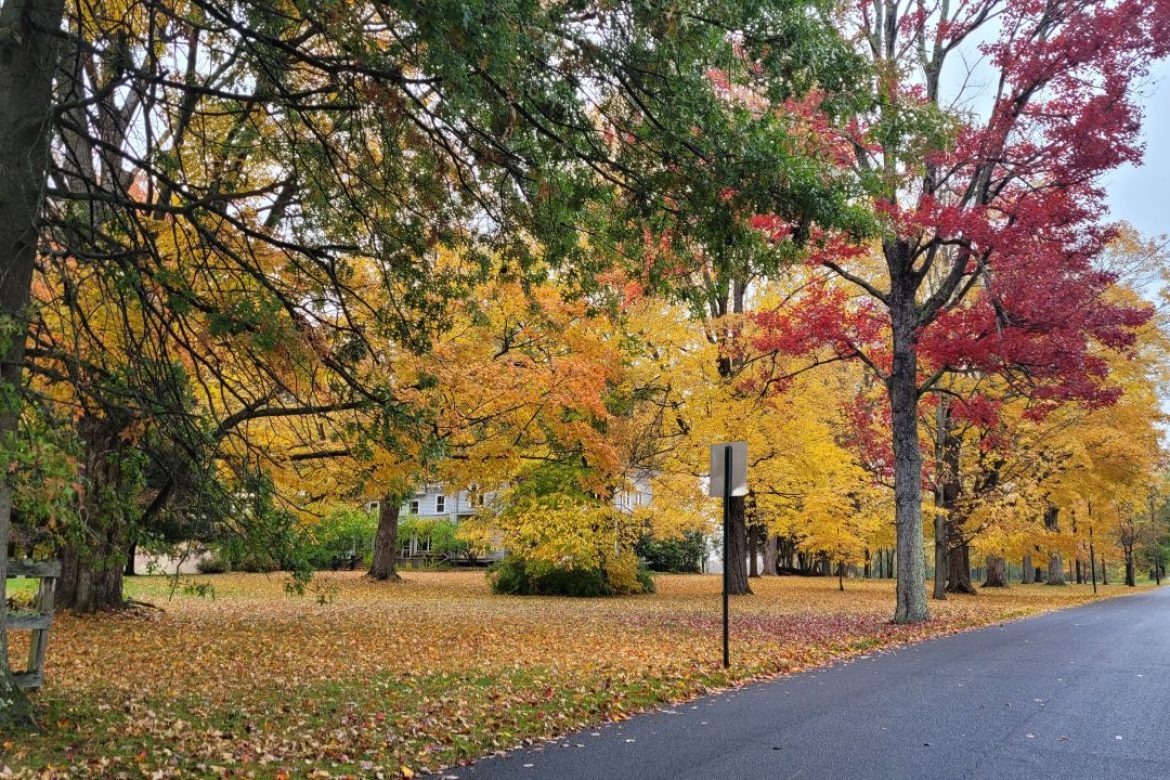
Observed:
{"x":390,"y":680}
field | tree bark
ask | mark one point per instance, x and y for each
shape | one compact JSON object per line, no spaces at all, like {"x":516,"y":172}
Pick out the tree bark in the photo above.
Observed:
{"x":737,"y":570}
{"x":131,"y":554}
{"x":93,"y":562}
{"x":946,"y":490}
{"x":1056,"y":569}
{"x":902,"y":389}
{"x":28,"y":56}
{"x":996,"y":572}
{"x":1055,"y":561}
{"x":753,"y":536}
{"x":92,"y":575}
{"x":771,"y":555}
{"x":1129,"y":567}
{"x":382,"y":567}
{"x":1028,"y":575}
{"x":959,"y":566}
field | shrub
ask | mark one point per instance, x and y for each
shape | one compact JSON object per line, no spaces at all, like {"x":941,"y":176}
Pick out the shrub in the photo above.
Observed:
{"x":515,"y":576}
{"x":647,"y":580}
{"x":621,"y":574}
{"x":213,"y":564}
{"x":676,"y":556}
{"x":441,"y":532}
{"x":339,"y":534}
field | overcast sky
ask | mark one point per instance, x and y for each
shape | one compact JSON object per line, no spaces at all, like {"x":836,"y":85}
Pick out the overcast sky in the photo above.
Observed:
{"x":1141,"y":196}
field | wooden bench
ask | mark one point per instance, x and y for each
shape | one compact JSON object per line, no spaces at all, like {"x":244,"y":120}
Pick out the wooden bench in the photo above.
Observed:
{"x":39,"y":620}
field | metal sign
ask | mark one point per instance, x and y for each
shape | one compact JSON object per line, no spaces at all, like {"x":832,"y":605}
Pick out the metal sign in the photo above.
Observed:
{"x":739,"y":485}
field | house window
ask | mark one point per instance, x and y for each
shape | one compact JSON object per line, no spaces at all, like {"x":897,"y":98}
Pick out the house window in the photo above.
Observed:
{"x":414,"y":506}
{"x":424,"y":545}
{"x":440,"y":504}
{"x":373,"y":507}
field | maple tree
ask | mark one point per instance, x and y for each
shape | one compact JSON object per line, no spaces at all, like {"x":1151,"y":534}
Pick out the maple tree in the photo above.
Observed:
{"x":991,"y":222}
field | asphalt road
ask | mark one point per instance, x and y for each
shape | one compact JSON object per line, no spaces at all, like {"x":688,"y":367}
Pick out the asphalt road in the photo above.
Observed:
{"x":1083,"y":693}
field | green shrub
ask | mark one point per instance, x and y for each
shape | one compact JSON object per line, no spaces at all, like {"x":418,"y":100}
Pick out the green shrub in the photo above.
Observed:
{"x":213,"y":564}
{"x":514,"y":576}
{"x":441,"y":531}
{"x":647,"y":580}
{"x":341,"y":533}
{"x":676,"y":556}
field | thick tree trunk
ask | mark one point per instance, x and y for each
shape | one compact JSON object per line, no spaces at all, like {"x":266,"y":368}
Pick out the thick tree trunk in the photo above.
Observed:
{"x":28,"y":56}
{"x":92,"y":576}
{"x":1129,"y":567}
{"x":1056,"y":569}
{"x":131,"y":554}
{"x":1055,"y":560}
{"x":771,"y":555}
{"x":1104,"y":570}
{"x":959,"y":566}
{"x":1028,"y":573}
{"x":737,"y":570}
{"x":382,"y":567}
{"x":996,"y":572}
{"x":93,"y":563}
{"x":902,"y":388}
{"x":940,"y":557}
{"x":947,"y":449}
{"x":753,"y":552}
{"x":841,"y":576}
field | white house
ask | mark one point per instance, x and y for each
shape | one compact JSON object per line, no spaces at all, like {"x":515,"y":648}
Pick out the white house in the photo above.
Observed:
{"x":434,"y":501}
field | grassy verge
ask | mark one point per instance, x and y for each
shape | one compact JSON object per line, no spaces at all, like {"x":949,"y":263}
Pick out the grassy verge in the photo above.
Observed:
{"x":366,"y":679}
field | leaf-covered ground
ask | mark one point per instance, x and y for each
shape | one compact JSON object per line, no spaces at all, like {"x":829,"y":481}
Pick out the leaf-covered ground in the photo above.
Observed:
{"x":386,"y":680}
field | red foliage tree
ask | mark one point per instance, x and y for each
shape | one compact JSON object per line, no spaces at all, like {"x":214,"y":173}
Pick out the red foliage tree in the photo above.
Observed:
{"x":991,"y":226}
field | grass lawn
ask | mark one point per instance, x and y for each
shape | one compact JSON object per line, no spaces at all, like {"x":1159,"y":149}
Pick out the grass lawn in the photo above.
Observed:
{"x":390,"y":679}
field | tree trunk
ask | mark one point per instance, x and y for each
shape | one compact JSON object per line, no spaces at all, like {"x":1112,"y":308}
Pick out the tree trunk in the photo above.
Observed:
{"x":753,"y":551}
{"x":996,"y":572}
{"x":1104,"y":570}
{"x":947,"y":449}
{"x":737,"y":570}
{"x":940,"y":557}
{"x":386,"y":540}
{"x":959,"y":566}
{"x":1055,"y":561}
{"x":131,"y":554}
{"x":93,"y":561}
{"x":902,"y":389}
{"x":92,"y":576}
{"x":840,"y":576}
{"x":1129,"y":567}
{"x":1056,"y":569}
{"x":1028,"y":575}
{"x":28,"y":56}
{"x":771,"y":555}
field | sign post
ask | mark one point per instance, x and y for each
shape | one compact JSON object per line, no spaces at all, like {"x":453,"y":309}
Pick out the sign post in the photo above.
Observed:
{"x":728,"y":478}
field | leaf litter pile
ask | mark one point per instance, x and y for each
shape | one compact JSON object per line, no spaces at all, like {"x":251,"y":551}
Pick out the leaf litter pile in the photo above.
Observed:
{"x":389,"y":680}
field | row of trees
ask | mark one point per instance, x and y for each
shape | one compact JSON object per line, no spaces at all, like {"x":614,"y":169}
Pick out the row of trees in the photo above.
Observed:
{"x":257,"y":257}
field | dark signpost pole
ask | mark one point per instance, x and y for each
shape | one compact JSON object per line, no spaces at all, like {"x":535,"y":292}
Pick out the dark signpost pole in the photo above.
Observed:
{"x":728,"y":478}
{"x":1092,"y":559}
{"x":726,"y":569}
